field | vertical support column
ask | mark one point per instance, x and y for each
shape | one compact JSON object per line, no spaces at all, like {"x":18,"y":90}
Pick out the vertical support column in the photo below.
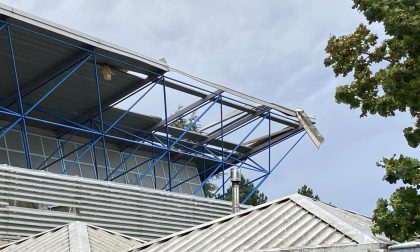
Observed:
{"x":223,"y":150}
{"x":23,"y":129}
{"x":101,"y":118}
{"x":95,"y":163}
{"x":269,"y":142}
{"x":153,"y":160}
{"x":168,"y":150}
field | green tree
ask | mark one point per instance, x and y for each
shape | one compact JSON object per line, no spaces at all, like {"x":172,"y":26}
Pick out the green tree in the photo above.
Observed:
{"x":386,"y":79}
{"x":308,"y":192}
{"x":245,"y":187}
{"x":209,"y":188}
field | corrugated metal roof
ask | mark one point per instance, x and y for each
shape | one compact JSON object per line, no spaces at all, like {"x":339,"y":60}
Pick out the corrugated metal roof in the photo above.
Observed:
{"x":291,"y":222}
{"x":74,"y":237}
{"x":139,"y":212}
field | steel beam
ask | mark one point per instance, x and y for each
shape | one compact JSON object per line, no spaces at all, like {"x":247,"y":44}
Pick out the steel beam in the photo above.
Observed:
{"x":182,"y":112}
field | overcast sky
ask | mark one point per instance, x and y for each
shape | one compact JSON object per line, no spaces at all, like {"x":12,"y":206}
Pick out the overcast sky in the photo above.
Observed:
{"x":273,"y":50}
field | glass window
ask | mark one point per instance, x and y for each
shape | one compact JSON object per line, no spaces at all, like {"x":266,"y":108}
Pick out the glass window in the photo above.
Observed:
{"x":120,"y":179}
{"x":114,"y":158}
{"x":100,"y":160}
{"x":72,"y":168}
{"x":3,"y":157}
{"x":130,"y":161}
{"x":132,"y":177}
{"x":14,"y":141}
{"x":159,"y":170}
{"x":160,"y":183}
{"x":2,"y":143}
{"x":17,"y":159}
{"x":87,"y":156}
{"x":191,"y":173}
{"x":186,"y":188}
{"x":37,"y":161}
{"x":147,"y":182}
{"x":182,"y":175}
{"x":50,"y":146}
{"x":67,"y":148}
{"x":88,"y":171}
{"x":35,"y":144}
{"x":199,"y":192}
{"x":102,"y":173}
{"x":54,"y":167}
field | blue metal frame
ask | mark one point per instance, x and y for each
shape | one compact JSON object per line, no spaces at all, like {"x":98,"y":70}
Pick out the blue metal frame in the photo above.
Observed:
{"x":215,"y":159}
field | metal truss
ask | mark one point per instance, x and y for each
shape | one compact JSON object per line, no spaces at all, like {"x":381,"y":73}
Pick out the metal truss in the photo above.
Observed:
{"x":161,"y":140}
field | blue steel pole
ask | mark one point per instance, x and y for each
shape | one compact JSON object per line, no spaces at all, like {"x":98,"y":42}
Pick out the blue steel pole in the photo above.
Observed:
{"x":23,"y":129}
{"x":223,"y":151}
{"x":153,"y":160}
{"x":179,"y":138}
{"x":265,"y":177}
{"x":101,"y":118}
{"x":255,"y":189}
{"x":269,"y":141}
{"x":232,"y":151}
{"x":167,"y":133}
{"x":95,"y":162}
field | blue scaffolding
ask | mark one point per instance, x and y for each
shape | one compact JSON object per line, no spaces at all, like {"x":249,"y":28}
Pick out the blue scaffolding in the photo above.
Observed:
{"x":86,"y":107}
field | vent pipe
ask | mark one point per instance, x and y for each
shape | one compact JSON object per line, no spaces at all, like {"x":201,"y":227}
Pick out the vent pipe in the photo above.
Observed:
{"x":235,"y":178}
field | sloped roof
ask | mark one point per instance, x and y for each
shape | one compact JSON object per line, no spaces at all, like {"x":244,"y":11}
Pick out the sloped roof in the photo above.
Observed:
{"x":294,"y":221}
{"x":75,"y":236}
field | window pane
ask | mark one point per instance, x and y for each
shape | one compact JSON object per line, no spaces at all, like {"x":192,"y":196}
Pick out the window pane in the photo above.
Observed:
{"x":17,"y":159}
{"x":130,"y":162}
{"x":186,"y":188}
{"x":88,"y":171}
{"x":120,"y":179}
{"x":3,"y":157}
{"x":191,"y":173}
{"x":160,"y":183}
{"x":100,"y":160}
{"x":159,"y":170}
{"x":35,"y":144}
{"x":145,"y":168}
{"x":68,"y":148}
{"x":147,"y":182}
{"x":132,"y":177}
{"x":37,"y":161}
{"x":2,"y":143}
{"x":182,"y":175}
{"x":87,"y":156}
{"x":56,"y":167}
{"x":14,"y":141}
{"x":50,"y":145}
{"x":102,"y":173}
{"x":72,"y":168}
{"x":114,"y":158}
{"x":199,"y":192}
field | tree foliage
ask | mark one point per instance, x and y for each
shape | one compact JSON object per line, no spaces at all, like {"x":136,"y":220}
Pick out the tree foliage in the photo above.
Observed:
{"x":386,"y":79}
{"x":183,"y":123}
{"x":245,"y":188}
{"x":308,"y":192}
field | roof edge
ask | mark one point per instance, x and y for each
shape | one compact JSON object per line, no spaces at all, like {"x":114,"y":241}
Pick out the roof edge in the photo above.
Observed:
{"x":349,"y":230}
{"x":82,"y":37}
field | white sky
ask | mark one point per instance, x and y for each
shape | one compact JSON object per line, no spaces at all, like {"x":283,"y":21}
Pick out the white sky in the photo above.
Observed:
{"x":273,"y":50}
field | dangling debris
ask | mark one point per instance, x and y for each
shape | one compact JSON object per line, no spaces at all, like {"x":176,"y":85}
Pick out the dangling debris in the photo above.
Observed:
{"x":106,"y":72}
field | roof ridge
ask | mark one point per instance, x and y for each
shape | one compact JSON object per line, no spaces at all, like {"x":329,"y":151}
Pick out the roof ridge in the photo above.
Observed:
{"x":340,"y":224}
